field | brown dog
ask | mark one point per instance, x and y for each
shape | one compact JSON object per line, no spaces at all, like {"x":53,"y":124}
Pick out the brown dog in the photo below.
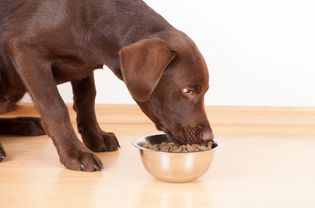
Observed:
{"x":44,"y":43}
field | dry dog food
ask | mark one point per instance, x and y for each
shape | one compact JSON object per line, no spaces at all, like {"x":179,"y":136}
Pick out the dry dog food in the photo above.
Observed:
{"x":173,"y":147}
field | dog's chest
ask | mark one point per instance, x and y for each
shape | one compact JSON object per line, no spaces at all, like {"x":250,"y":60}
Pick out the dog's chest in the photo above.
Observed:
{"x":66,"y":69}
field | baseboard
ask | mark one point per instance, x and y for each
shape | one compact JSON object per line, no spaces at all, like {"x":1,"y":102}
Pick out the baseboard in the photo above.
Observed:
{"x":227,"y":115}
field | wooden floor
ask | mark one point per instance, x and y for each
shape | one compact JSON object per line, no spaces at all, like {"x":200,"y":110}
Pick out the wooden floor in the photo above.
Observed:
{"x":266,"y":158}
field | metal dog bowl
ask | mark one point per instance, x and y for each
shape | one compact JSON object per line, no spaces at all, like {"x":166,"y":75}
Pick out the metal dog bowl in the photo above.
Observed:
{"x":173,"y":167}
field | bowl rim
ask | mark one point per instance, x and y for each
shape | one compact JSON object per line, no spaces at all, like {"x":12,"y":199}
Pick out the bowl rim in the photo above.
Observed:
{"x":135,"y":142}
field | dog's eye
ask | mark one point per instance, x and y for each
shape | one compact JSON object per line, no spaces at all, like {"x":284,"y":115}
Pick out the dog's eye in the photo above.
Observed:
{"x":189,"y":91}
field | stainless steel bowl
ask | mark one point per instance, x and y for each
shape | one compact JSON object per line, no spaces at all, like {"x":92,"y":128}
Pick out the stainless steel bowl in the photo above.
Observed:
{"x":173,"y":167}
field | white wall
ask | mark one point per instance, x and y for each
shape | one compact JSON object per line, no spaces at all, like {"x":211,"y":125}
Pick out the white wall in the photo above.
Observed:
{"x":258,"y":52}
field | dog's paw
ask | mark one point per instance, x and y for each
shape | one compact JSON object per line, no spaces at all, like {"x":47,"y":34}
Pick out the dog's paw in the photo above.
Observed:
{"x":2,"y":153}
{"x":100,"y":141}
{"x":81,"y":160}
{"x":31,"y":126}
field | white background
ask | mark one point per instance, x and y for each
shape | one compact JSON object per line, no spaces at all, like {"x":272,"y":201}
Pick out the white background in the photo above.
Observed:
{"x":259,"y":53}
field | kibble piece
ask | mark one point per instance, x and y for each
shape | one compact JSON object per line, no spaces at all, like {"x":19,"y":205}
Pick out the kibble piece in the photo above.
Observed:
{"x":197,"y":147}
{"x":177,"y":150}
{"x":165,"y":148}
{"x":163,"y":144}
{"x":202,"y":148}
{"x":182,"y":147}
{"x":190,"y":148}
{"x":155,"y":147}
{"x":174,"y":149}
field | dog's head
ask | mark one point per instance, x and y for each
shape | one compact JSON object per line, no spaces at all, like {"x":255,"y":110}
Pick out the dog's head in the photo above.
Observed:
{"x":168,"y":79}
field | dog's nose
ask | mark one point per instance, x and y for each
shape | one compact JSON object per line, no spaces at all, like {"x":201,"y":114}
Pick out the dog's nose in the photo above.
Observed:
{"x":207,"y":135}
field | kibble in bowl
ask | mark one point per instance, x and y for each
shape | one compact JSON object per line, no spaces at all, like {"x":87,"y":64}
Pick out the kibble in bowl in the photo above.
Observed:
{"x":176,"y":148}
{"x":171,"y":162}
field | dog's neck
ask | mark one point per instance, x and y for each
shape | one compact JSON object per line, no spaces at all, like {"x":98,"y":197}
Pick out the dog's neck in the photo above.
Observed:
{"x":135,"y":19}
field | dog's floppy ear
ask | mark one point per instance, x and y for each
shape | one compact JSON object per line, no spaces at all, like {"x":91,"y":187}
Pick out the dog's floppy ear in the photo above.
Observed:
{"x":142,"y":65}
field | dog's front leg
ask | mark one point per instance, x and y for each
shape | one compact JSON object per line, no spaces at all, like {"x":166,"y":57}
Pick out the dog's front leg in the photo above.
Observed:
{"x":35,"y":71}
{"x":84,"y":104}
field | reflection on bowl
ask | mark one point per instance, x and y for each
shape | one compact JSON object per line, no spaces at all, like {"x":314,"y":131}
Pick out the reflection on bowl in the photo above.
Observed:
{"x":173,"y":167}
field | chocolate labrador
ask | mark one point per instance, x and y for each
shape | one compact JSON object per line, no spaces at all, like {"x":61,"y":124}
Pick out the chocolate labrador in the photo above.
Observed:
{"x":44,"y":43}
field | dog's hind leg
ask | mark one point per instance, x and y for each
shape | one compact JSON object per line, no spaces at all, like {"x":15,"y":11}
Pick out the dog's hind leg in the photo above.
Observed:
{"x":84,"y":103}
{"x":26,"y":126}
